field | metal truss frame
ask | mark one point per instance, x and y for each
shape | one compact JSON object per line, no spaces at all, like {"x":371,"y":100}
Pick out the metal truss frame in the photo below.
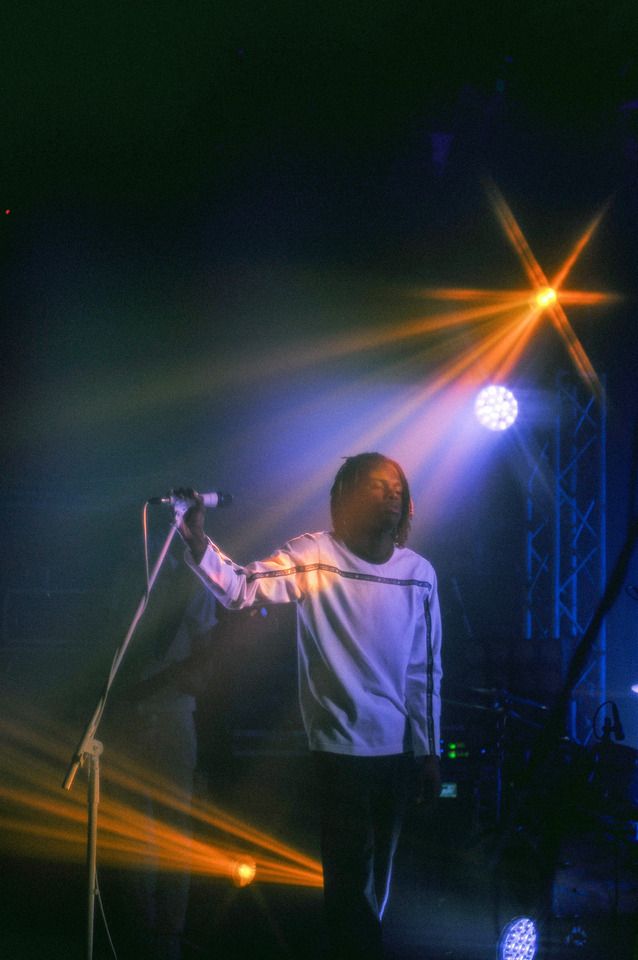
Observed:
{"x":566,"y":541}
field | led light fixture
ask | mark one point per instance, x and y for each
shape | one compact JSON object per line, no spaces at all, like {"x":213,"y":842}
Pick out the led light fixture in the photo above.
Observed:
{"x":518,"y":940}
{"x":496,"y":407}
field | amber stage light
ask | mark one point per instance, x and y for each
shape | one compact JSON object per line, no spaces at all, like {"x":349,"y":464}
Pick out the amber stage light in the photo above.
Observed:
{"x":545,"y":298}
{"x":243,"y":871}
{"x":550,"y":291}
{"x":40,"y":820}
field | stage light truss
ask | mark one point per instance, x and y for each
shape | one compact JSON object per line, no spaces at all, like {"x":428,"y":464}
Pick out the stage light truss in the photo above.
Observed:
{"x":566,"y":535}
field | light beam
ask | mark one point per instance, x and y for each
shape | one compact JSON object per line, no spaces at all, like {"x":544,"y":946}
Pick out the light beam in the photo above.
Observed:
{"x":40,"y":820}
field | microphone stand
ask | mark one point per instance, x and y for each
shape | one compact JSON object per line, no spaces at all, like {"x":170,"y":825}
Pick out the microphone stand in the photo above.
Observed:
{"x":89,"y":750}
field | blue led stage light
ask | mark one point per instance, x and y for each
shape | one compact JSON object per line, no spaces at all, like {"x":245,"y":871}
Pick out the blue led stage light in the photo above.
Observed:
{"x":496,"y":407}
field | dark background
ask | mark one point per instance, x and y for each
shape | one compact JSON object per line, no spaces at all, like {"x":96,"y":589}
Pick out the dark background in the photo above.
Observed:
{"x":203,"y":196}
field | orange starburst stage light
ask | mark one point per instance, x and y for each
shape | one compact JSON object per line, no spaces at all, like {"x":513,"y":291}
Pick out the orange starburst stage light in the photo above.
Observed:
{"x":550,"y":291}
{"x":495,"y":328}
{"x":545,"y":296}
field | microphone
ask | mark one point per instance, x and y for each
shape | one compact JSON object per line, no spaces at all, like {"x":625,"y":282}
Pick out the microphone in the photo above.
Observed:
{"x":212,"y":501}
{"x":617,"y":729}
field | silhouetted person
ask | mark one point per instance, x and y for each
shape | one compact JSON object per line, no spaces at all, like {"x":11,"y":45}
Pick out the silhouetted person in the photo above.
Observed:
{"x":166,"y":668}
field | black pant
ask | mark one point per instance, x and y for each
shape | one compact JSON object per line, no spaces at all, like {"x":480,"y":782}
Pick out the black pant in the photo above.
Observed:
{"x":362,"y":803}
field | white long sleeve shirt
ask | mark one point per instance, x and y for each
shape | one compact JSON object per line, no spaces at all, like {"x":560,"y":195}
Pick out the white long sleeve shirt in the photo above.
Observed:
{"x":368,"y":639}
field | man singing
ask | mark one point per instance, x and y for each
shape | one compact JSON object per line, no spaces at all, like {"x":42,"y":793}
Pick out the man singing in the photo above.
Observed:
{"x":369,"y":654}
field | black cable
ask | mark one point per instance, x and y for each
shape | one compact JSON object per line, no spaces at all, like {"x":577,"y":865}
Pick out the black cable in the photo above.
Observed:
{"x":104,"y":920}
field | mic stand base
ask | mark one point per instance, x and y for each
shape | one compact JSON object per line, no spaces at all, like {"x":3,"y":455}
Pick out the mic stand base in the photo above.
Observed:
{"x":90,"y":749}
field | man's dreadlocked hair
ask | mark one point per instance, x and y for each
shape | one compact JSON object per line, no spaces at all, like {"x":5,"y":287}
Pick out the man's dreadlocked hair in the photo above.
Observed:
{"x":350,"y":475}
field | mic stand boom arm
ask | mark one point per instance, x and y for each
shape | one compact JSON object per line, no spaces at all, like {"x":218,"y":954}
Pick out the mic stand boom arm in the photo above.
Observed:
{"x":89,"y":750}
